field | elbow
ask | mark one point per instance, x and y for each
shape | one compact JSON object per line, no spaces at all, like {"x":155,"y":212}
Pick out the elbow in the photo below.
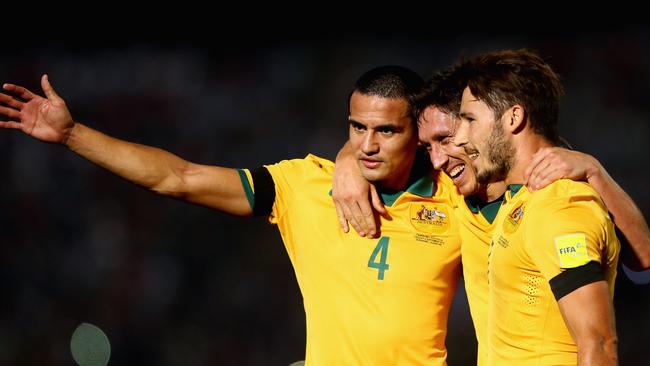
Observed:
{"x":601,"y":350}
{"x":610,"y":349}
{"x":169,"y":191}
{"x":610,"y":346}
{"x":177,"y":182}
{"x":172,"y":186}
{"x":163,"y":191}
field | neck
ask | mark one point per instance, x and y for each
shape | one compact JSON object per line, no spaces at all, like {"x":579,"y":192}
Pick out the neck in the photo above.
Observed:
{"x":492,"y":191}
{"x":400,"y":182}
{"x":526,"y":145}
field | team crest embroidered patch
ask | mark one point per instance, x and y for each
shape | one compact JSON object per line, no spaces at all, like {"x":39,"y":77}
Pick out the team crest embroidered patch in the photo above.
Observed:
{"x":511,"y":223}
{"x":572,"y":250}
{"x":430,"y":218}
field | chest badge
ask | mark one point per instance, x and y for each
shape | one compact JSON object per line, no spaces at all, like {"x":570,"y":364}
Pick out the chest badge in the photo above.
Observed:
{"x":516,"y":215}
{"x":430,"y":218}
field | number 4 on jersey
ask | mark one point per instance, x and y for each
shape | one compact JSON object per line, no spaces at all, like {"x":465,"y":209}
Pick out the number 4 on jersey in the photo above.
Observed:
{"x":381,"y":266}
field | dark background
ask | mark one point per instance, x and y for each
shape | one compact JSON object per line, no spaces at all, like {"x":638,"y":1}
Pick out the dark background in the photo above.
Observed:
{"x":176,"y":284}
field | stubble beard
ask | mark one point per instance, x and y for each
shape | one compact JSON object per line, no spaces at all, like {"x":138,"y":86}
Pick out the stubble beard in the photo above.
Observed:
{"x":500,"y":154}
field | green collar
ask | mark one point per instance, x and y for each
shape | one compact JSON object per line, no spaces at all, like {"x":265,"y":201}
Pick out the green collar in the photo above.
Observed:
{"x":489,"y":210}
{"x":514,"y":188}
{"x":421,"y":180}
{"x":422,"y":187}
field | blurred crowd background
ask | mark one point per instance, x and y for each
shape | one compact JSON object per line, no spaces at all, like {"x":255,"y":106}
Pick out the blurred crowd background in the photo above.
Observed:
{"x":176,"y":284}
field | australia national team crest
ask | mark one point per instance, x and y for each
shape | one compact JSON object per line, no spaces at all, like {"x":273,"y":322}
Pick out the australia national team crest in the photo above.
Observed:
{"x":511,"y":223}
{"x":430,"y":218}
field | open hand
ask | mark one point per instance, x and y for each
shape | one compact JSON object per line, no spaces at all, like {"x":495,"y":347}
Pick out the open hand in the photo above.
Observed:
{"x":46,"y":119}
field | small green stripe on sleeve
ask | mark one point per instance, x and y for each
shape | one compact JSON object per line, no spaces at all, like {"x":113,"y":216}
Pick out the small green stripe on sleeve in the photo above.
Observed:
{"x":247,"y":188}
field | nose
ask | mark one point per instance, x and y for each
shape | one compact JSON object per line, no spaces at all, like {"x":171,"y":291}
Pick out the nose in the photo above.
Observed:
{"x":370,"y":145}
{"x":438,"y":157}
{"x":461,"y":137}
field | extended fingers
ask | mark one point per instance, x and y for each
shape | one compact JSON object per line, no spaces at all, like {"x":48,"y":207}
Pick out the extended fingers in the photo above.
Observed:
{"x":20,"y":91}
{"x":377,"y":203}
{"x":9,"y":112}
{"x":367,"y":218}
{"x":543,"y":178}
{"x":550,"y":170}
{"x":10,"y":101}
{"x":352,"y":218}
{"x":341,"y":216}
{"x":533,"y":165}
{"x":13,"y":125}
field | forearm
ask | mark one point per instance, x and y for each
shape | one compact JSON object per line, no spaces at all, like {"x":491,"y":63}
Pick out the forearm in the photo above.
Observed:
{"x":625,"y":214}
{"x":345,"y":155}
{"x":163,"y":172}
{"x":353,"y":196}
{"x":589,"y":315}
{"x":146,"y":166}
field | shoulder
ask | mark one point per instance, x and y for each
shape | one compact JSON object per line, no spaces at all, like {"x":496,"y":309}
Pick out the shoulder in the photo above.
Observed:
{"x":311,"y":163}
{"x":566,"y":203}
{"x":565,"y":188}
{"x":566,"y":193}
{"x":320,"y":163}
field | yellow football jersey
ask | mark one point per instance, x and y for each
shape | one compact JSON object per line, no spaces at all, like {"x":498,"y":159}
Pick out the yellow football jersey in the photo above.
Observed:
{"x":369,"y":301}
{"x":476,"y":235}
{"x":538,"y":236}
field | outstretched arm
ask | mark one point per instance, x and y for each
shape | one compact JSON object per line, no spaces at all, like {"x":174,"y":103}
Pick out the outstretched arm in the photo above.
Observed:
{"x":353,"y":195}
{"x":48,"y":119}
{"x":550,"y":164}
{"x":589,"y":315}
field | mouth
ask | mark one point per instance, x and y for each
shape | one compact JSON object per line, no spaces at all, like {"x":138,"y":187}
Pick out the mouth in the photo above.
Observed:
{"x":370,"y":164}
{"x":456,"y":171}
{"x":471,"y":153}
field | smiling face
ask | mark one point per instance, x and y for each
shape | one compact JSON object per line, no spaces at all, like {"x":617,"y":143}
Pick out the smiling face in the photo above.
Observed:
{"x":436,"y":132}
{"x":483,"y":138}
{"x":383,"y":137}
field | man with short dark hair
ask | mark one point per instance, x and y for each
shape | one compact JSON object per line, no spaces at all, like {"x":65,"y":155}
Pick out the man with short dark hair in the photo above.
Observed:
{"x":367,"y":301}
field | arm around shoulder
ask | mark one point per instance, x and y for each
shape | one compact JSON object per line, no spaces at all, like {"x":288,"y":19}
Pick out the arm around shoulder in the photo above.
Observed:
{"x":627,"y":217}
{"x":550,"y":164}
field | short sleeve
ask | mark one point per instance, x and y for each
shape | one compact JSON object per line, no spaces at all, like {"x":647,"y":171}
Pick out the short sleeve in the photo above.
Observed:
{"x":289,"y":177}
{"x":566,"y":234}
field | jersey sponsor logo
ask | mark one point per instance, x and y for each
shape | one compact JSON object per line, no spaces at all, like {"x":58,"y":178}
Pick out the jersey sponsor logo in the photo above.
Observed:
{"x":572,"y":250}
{"x":430,"y":218}
{"x":511,"y":223}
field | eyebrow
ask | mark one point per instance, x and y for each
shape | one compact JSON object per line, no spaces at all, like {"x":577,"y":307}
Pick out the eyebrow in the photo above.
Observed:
{"x":392,"y":125}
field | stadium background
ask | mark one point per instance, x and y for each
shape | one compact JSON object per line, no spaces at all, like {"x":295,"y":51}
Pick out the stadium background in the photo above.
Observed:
{"x":171,"y":283}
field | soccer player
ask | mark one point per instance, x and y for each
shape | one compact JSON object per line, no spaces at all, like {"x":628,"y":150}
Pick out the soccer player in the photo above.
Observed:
{"x":438,"y":108}
{"x":553,"y":256}
{"x":367,"y":301}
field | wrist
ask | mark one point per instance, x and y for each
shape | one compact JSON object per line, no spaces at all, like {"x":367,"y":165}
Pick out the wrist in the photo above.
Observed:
{"x":69,"y":134}
{"x":594,"y":170}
